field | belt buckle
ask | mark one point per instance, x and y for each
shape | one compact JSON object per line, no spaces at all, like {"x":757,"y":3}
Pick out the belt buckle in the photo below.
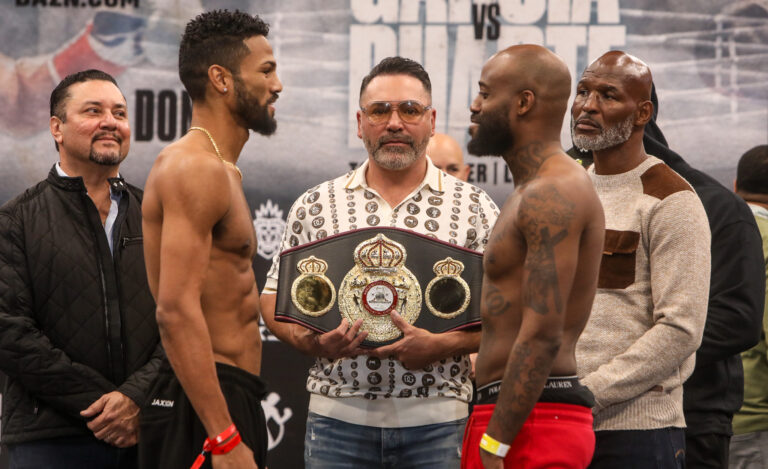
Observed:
{"x":378,"y":283}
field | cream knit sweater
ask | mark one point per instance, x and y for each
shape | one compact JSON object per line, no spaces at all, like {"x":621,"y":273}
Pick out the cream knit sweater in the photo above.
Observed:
{"x":651,"y":304}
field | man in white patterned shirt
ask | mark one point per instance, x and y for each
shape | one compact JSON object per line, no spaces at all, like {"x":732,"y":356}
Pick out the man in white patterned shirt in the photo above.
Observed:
{"x":402,"y":405}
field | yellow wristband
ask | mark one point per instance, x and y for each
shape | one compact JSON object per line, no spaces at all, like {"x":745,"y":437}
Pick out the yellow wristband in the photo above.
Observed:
{"x":492,"y":446}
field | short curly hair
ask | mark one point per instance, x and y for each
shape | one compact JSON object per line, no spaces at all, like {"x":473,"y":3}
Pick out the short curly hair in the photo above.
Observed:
{"x":215,"y":37}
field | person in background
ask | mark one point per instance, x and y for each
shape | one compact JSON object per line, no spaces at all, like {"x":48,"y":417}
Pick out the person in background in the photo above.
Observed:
{"x":749,"y":445}
{"x":651,"y":303}
{"x":80,"y":344}
{"x":445,"y":153}
{"x":713,"y":393}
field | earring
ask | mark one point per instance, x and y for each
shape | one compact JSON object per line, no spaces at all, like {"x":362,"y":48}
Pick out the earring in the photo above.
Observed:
{"x":225,"y":89}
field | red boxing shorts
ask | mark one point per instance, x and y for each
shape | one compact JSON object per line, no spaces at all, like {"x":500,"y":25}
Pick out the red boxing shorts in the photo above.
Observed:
{"x":555,"y":435}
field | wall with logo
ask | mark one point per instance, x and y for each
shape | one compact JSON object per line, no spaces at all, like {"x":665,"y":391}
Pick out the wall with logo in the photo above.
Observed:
{"x":709,"y":60}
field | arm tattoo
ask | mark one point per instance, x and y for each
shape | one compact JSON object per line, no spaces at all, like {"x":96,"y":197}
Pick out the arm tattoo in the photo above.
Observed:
{"x":541,"y":213}
{"x":527,"y":371}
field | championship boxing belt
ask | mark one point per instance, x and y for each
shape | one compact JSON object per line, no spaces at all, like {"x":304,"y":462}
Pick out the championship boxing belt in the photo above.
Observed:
{"x":366,"y":273}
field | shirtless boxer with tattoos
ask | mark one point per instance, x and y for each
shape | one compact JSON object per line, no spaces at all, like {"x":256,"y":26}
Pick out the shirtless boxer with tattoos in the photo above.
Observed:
{"x":541,"y":268}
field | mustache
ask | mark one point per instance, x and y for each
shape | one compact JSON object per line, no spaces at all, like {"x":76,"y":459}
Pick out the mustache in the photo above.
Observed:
{"x":114,"y":135}
{"x":581,"y":120}
{"x":395,"y":138}
{"x":273,"y":98}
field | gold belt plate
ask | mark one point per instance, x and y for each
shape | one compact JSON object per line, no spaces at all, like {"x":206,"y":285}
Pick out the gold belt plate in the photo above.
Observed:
{"x":377,"y":284}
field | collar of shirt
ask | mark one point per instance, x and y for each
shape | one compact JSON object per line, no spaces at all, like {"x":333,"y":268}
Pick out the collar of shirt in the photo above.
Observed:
{"x":114,"y":204}
{"x":758,"y":210}
{"x":433,"y":178}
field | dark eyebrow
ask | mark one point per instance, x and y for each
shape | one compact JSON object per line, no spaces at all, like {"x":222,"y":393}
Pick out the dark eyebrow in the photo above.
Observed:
{"x":99,"y":103}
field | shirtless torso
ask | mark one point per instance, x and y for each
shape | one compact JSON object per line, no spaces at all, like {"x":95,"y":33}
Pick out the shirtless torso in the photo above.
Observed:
{"x":199,"y":244}
{"x":553,"y":219}
{"x":542,"y":262}
{"x":209,"y":225}
{"x":541,"y":266}
{"x":200,"y":241}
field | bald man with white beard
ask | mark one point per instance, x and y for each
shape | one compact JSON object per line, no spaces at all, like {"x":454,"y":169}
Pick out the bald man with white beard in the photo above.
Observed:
{"x":648,"y":316}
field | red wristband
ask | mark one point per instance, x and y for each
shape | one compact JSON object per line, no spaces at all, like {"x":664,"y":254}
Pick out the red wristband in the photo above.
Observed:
{"x":209,"y":445}
{"x":228,"y":446}
{"x":223,"y":443}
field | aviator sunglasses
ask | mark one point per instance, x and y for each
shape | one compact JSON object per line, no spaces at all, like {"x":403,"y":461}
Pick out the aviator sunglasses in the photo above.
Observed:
{"x":409,"y":111}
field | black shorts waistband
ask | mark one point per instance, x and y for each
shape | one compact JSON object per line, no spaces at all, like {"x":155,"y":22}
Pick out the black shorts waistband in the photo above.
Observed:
{"x":488,"y":393}
{"x":559,"y":389}
{"x":230,"y":374}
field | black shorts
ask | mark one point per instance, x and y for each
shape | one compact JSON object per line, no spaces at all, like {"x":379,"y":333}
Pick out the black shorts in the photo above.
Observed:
{"x":171,"y":435}
{"x":557,"y":389}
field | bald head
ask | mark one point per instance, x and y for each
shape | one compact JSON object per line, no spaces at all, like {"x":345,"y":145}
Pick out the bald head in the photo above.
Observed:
{"x":535,"y":68}
{"x":612,"y":105}
{"x":523,"y":95}
{"x":631,"y":71}
{"x":446,"y":154}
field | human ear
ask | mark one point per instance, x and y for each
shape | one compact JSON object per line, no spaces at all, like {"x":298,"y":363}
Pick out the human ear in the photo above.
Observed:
{"x":644,"y":113}
{"x":525,"y":101}
{"x":359,"y":124}
{"x":220,"y":78}
{"x":55,"y":125}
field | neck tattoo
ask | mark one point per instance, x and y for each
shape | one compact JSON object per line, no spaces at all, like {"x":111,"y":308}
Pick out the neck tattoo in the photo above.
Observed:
{"x":218,"y":153}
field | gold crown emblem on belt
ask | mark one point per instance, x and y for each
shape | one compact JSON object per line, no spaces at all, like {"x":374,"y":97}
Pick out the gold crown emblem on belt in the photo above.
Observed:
{"x":312,"y":265}
{"x":379,"y":253}
{"x":448,"y":266}
{"x":379,"y":283}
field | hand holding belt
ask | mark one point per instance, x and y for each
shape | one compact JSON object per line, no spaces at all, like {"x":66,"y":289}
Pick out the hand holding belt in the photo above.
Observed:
{"x":366,"y":273}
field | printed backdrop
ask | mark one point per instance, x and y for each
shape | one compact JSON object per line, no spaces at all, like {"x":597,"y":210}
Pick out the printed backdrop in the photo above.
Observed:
{"x":709,"y":59}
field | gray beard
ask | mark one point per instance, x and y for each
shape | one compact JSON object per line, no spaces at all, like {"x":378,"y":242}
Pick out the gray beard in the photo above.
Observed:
{"x":395,"y":159}
{"x":106,"y":158}
{"x":607,"y":138}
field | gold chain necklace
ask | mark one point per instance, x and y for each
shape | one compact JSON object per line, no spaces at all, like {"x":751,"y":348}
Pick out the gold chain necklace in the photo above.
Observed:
{"x":216,"y":147}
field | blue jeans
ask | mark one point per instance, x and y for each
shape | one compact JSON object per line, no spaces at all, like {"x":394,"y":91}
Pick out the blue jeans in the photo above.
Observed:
{"x":333,"y":444}
{"x":663,"y":448}
{"x":71,"y":453}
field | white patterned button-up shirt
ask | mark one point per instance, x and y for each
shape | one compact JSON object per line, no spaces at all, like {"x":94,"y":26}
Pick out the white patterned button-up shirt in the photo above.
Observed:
{"x":442,"y":207}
